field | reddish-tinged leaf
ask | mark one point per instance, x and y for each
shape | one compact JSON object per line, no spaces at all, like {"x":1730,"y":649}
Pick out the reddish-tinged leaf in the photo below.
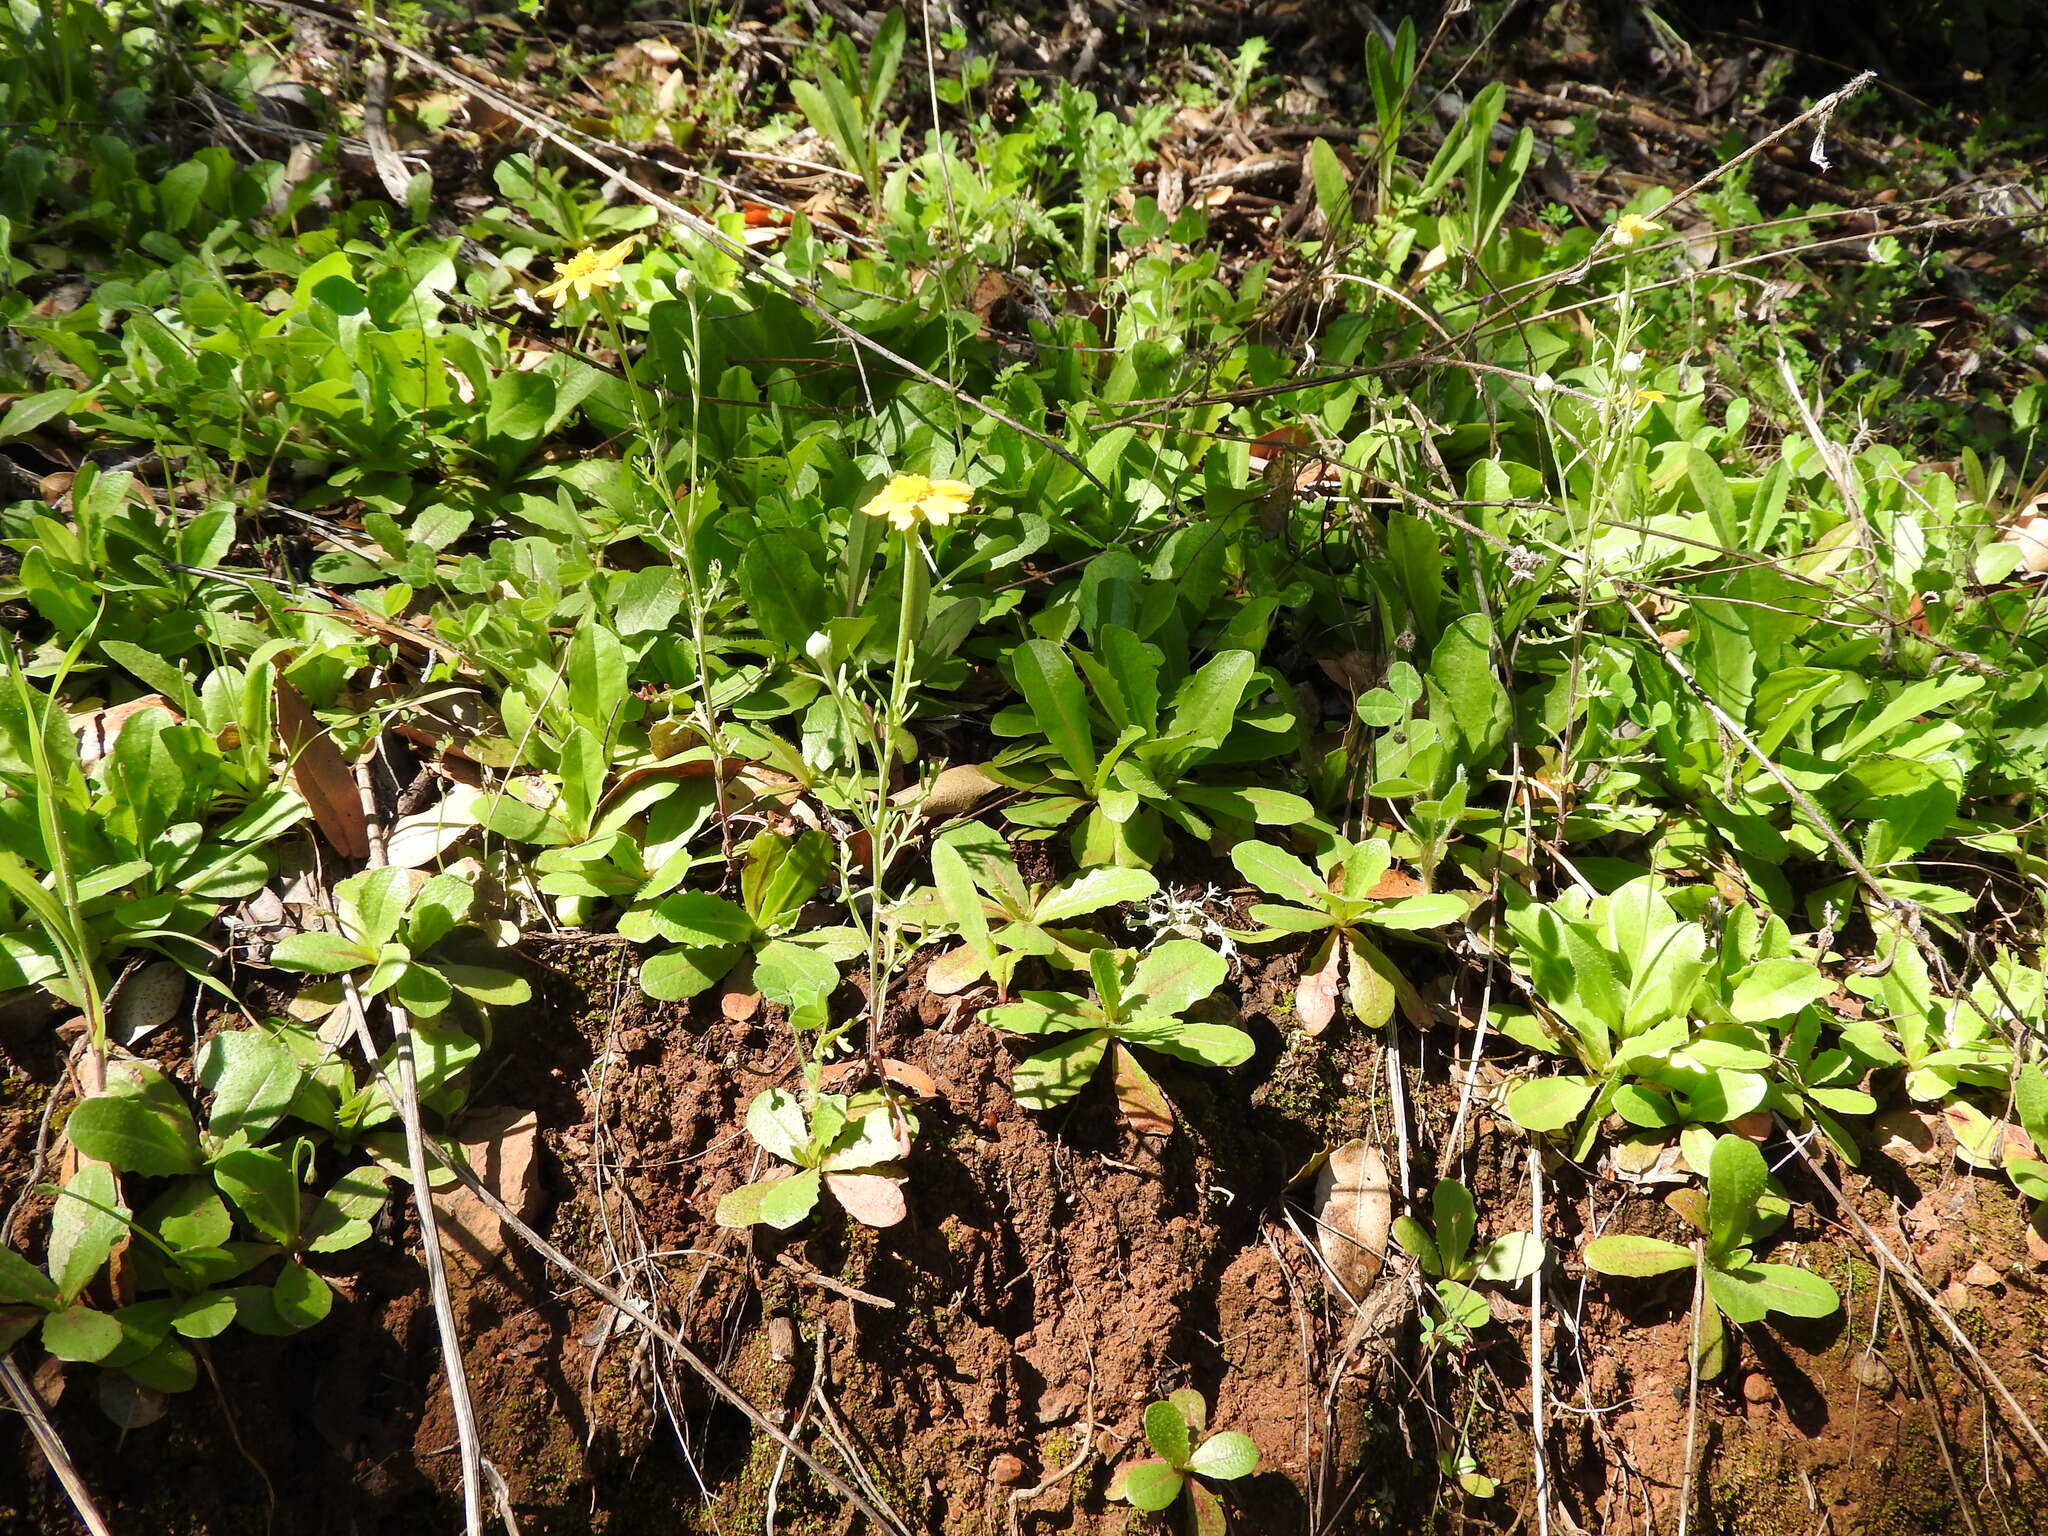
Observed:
{"x":873,"y":1198}
{"x":1322,"y":978}
{"x":320,"y":775}
{"x":1139,"y":1097}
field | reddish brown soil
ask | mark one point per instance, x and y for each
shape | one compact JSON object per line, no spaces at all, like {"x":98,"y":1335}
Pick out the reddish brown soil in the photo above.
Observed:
{"x":1055,"y":1275}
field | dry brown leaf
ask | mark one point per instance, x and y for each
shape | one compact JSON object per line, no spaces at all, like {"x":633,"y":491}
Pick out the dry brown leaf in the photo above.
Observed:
{"x":502,"y":1147}
{"x":2029,"y":530}
{"x":147,"y":999}
{"x":1354,"y":1206}
{"x":320,"y":775}
{"x":1905,"y":1136}
{"x":98,"y":729}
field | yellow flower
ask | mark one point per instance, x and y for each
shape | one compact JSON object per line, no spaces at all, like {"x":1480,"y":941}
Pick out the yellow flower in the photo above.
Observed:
{"x":908,"y":500}
{"x":1631,"y":227}
{"x":1648,"y":397}
{"x":588,"y":271}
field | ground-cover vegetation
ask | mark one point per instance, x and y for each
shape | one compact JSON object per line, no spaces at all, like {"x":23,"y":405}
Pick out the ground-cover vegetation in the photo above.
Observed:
{"x":1012,"y":577}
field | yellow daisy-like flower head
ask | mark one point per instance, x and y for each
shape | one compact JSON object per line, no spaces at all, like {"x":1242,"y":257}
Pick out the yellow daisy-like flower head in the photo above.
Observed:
{"x":908,"y":500}
{"x":1631,"y":227}
{"x":587,"y":271}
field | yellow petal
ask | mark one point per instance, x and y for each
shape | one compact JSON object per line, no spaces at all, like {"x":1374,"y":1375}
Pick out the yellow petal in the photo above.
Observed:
{"x":948,"y":499}
{"x":899,"y":499}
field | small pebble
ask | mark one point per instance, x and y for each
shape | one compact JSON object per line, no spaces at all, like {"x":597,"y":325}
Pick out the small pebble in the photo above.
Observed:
{"x":1869,"y":1369}
{"x":1757,"y":1388}
{"x":1006,"y":1470}
{"x":1981,"y":1273}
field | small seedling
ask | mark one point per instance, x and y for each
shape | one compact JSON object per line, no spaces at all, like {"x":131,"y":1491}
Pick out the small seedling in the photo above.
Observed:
{"x":1180,"y":1466}
{"x":1447,"y":1256}
{"x":1736,"y":1212}
{"x":852,"y":1147}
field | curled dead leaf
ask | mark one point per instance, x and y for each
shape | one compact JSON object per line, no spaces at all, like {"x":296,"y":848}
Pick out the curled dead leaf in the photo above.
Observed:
{"x":98,"y":729}
{"x":1354,"y":1207}
{"x":320,"y":775}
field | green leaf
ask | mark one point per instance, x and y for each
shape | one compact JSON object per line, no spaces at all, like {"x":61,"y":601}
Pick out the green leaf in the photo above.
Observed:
{"x":1176,"y":975}
{"x":82,"y":1334}
{"x":1052,"y":688}
{"x":1206,"y":707}
{"x":2030,"y":1102}
{"x":1511,"y":1259}
{"x":1166,"y":1431}
{"x":785,"y":595}
{"x":30,"y":412}
{"x":134,"y":1137}
{"x":1549,"y":1104}
{"x":1457,"y":1222}
{"x":321,"y":954}
{"x":782,"y":874}
{"x":1466,"y":699}
{"x":1415,"y":1240}
{"x":785,"y":1202}
{"x":253,"y":1079}
{"x":1279,"y":873}
{"x":1208,"y":1045}
{"x":205,"y":1316}
{"x":22,"y":1281}
{"x":264,"y":1189}
{"x":521,"y":404}
{"x":962,"y":901}
{"x":1225,"y":1457}
{"x":596,"y":677}
{"x":1735,"y":1181}
{"x":647,"y":601}
{"x":373,"y":905}
{"x":301,"y":1297}
{"x":1092,"y":890}
{"x":1776,"y":989}
{"x":1054,"y":1075}
{"x":1623,"y":1254}
{"x":1333,"y":186}
{"x":1150,"y":1485}
{"x":776,"y":1120}
{"x":1746,"y":1293}
{"x":1462,"y":1306}
{"x":1413,"y":912}
{"x":794,"y":975}
{"x":701,"y":920}
{"x":190,"y":1215}
{"x":85,"y":1226}
{"x":676,"y":974}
